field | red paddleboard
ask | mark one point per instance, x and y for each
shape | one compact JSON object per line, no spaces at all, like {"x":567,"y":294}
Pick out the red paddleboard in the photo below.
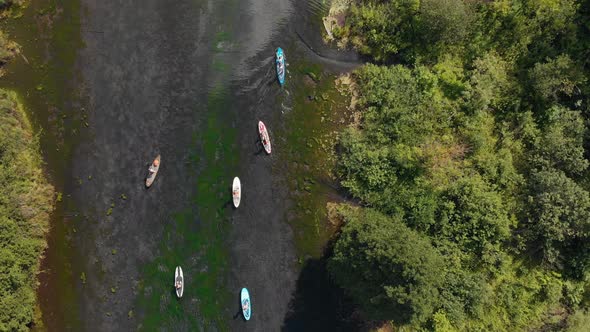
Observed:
{"x":264,"y":137}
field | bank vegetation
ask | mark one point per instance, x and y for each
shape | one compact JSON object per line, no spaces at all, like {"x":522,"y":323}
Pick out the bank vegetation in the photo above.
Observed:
{"x":471,"y":165}
{"x":26,"y":201}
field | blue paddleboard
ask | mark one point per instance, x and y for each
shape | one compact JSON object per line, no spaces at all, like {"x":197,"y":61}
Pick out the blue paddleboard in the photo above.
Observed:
{"x":280,"y":62}
{"x":246,"y":304}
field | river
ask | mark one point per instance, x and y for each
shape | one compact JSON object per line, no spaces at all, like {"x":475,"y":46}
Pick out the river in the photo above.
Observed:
{"x":188,"y":79}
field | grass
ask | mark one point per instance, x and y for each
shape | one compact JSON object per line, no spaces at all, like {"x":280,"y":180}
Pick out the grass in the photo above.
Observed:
{"x":25,"y":206}
{"x":311,"y":130}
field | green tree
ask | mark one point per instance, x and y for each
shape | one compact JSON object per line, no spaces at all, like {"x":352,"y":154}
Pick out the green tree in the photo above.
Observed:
{"x":382,"y":29}
{"x":555,"y":80}
{"x":443,"y":24}
{"x":402,"y":112}
{"x":558,"y":219}
{"x":392,"y":271}
{"x":491,"y":84}
{"x":473,"y":215}
{"x":560,"y":144}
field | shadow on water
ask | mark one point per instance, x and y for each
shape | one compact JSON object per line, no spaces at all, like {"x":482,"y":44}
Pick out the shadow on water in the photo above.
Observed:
{"x":318,"y":304}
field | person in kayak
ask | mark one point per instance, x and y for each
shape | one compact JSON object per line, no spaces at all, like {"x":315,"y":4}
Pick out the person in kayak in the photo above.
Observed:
{"x":178,"y":284}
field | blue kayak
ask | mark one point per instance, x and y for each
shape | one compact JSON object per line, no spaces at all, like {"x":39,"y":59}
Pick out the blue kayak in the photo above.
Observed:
{"x":246,"y":305}
{"x":280,"y":61}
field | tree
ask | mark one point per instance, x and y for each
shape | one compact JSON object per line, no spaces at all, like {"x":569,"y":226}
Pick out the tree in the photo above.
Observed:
{"x":382,"y":29}
{"x":560,"y":144}
{"x":473,"y":215}
{"x":402,"y":111}
{"x":555,"y":80}
{"x":390,"y":270}
{"x":442,"y":24}
{"x":491,"y":84}
{"x":558,"y":219}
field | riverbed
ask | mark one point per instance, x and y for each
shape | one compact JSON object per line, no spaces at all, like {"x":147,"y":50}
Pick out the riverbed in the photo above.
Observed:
{"x":189,"y":80}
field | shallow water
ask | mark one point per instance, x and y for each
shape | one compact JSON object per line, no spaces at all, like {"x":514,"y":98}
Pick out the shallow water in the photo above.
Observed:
{"x":189,"y":80}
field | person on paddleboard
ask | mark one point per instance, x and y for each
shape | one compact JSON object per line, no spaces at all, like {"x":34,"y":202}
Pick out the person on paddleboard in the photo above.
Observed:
{"x":280,"y":64}
{"x":245,"y":305}
{"x":154,"y":166}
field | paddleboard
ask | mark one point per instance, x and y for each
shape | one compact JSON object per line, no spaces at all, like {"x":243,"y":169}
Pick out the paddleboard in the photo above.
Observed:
{"x":246,"y":304}
{"x":152,"y":172}
{"x":178,"y":277}
{"x":264,"y":136}
{"x":280,"y":63}
{"x":236,"y":191}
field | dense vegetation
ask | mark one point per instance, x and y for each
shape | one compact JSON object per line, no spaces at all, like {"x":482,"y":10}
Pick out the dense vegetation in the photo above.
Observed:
{"x":471,"y":164}
{"x":25,"y":203}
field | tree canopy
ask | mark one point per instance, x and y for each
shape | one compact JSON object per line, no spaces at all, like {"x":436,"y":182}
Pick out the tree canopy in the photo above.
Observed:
{"x":473,"y":134}
{"x":406,"y":270}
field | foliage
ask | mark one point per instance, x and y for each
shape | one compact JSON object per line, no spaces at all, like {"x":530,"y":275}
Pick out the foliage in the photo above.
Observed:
{"x":410,"y":28}
{"x":380,"y":28}
{"x":403,"y":285}
{"x":555,"y":79}
{"x":491,"y":87}
{"x":473,"y":215}
{"x":558,"y":219}
{"x":560,"y":144}
{"x":477,"y":142}
{"x":579,"y":322}
{"x":25,"y":204}
{"x":7,"y":49}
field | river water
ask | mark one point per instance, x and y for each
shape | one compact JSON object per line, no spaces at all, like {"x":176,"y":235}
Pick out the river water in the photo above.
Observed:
{"x":187,"y":79}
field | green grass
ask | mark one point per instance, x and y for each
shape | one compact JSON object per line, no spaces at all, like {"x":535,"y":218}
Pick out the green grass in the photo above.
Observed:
{"x":25,"y":206}
{"x":311,"y":132}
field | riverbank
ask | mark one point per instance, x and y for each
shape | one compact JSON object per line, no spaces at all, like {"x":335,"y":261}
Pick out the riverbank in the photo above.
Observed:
{"x":41,"y":74}
{"x":26,"y":203}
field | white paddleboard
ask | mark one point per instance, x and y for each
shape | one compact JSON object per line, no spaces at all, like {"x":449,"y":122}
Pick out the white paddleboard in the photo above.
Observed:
{"x":236,"y":191}
{"x":152,"y":172}
{"x":178,"y":277}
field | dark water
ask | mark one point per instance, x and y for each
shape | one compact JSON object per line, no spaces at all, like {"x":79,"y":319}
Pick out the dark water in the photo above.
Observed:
{"x":189,"y":80}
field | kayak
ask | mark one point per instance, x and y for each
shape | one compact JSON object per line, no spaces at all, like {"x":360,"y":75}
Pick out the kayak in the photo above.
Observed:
{"x":280,"y":62}
{"x":152,"y":172}
{"x":246,"y":305}
{"x":236,"y":191}
{"x":264,"y":136}
{"x":178,"y":277}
